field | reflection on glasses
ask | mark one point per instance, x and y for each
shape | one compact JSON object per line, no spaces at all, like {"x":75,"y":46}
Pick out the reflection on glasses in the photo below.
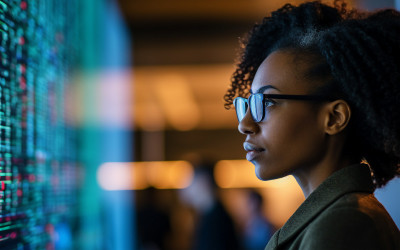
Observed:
{"x":259,"y":102}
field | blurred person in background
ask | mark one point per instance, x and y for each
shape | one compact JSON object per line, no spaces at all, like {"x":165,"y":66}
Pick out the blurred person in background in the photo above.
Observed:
{"x":319,"y":98}
{"x":214,"y":229}
{"x":153,"y":222}
{"x":257,"y":230}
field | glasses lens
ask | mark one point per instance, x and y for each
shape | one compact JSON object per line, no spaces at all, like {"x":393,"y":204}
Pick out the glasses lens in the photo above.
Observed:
{"x":257,"y":107}
{"x":241,"y":107}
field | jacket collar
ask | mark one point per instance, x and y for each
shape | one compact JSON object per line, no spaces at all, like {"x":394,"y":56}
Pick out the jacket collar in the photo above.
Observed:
{"x":354,"y":178}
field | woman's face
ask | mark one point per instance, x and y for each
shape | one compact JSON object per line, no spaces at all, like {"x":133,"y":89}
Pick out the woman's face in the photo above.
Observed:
{"x":291,"y":137}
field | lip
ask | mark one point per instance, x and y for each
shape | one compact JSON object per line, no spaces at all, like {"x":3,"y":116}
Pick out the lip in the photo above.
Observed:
{"x":252,"y":150}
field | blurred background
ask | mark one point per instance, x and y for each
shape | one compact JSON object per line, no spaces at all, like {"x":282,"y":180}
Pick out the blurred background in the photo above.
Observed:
{"x":150,"y":157}
{"x":183,"y":54}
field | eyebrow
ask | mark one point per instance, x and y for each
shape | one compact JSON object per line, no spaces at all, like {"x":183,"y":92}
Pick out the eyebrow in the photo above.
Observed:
{"x":262,"y":89}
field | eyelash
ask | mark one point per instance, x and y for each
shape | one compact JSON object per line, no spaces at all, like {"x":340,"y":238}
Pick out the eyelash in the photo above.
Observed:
{"x":269,"y":103}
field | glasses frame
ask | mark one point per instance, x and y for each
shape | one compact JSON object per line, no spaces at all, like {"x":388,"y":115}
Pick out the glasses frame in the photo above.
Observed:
{"x":273,"y":96}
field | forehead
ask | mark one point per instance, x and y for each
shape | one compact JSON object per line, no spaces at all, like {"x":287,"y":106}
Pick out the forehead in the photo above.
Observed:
{"x":284,"y":71}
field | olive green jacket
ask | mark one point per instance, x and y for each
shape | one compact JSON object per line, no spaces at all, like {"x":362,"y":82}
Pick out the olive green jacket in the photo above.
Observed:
{"x":342,"y":213}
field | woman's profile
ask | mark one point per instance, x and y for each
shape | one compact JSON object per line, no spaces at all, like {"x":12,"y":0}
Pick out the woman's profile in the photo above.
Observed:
{"x":317,"y":96}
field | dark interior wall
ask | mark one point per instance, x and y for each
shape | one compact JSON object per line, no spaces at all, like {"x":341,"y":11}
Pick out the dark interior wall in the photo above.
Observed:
{"x":189,"y":42}
{"x":182,"y":145}
{"x":188,"y":32}
{"x":215,"y":144}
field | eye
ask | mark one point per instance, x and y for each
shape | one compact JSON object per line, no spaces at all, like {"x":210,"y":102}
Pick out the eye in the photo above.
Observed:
{"x":269,"y":103}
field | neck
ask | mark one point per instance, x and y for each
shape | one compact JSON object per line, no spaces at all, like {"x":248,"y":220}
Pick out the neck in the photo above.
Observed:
{"x":310,"y":178}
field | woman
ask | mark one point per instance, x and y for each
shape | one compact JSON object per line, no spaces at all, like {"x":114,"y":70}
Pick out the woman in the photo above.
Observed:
{"x":322,"y":85}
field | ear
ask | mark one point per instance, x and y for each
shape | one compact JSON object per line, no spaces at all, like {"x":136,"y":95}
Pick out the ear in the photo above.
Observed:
{"x":337,"y":116}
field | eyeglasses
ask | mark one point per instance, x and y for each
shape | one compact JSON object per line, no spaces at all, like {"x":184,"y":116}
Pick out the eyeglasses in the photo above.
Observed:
{"x":259,"y":102}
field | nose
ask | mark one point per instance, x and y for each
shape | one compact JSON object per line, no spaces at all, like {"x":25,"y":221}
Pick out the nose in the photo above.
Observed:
{"x":247,"y":125}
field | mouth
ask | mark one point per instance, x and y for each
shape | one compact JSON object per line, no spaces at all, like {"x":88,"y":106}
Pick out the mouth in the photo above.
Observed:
{"x":252,"y":150}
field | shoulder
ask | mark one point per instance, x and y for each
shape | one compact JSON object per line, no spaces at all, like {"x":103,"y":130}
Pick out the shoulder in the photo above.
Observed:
{"x":355,"y":221}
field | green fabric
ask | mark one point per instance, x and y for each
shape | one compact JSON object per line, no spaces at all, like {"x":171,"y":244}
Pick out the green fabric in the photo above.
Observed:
{"x":342,"y":213}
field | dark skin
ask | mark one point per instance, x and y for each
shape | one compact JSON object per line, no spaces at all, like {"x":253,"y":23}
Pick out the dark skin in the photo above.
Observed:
{"x":301,"y":138}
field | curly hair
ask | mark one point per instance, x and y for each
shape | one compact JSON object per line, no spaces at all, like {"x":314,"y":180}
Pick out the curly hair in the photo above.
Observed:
{"x":356,"y":54}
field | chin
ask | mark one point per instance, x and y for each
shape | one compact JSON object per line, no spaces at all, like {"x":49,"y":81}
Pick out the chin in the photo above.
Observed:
{"x":260,"y":175}
{"x":265,"y":175}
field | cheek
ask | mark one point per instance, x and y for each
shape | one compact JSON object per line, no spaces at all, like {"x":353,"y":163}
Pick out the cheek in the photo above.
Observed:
{"x":294,"y":143}
{"x":294,"y":130}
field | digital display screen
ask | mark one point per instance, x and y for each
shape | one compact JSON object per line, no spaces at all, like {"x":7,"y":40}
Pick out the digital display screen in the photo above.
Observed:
{"x":38,"y":155}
